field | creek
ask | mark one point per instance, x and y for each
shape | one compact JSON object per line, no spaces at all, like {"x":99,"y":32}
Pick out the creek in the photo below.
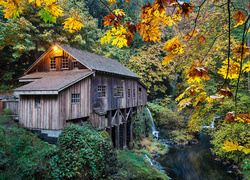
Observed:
{"x":194,"y":162}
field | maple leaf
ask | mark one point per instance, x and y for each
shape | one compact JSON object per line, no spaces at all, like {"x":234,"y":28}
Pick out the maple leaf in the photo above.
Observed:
{"x":119,"y":36}
{"x":167,"y":59}
{"x":73,"y":23}
{"x":111,"y":2}
{"x":230,"y":117}
{"x":230,"y":146}
{"x":200,"y":98}
{"x":192,"y":34}
{"x":192,"y":92}
{"x":185,"y":9}
{"x":119,"y":13}
{"x":55,"y":10}
{"x":12,"y":8}
{"x":225,"y":92}
{"x":111,"y":20}
{"x":196,"y":72}
{"x":46,"y":15}
{"x":161,"y":4}
{"x":132,"y":28}
{"x":37,"y":2}
{"x":173,"y":45}
{"x":239,"y":16}
{"x":232,"y":72}
{"x":246,"y":67}
{"x":150,"y":33}
{"x":107,"y":37}
{"x":202,"y":39}
{"x":245,"y":118}
{"x":213,"y":98}
{"x":237,"y":50}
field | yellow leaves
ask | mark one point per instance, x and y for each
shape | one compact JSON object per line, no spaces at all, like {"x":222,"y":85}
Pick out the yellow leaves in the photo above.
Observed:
{"x":233,"y":71}
{"x":200,"y":98}
{"x":173,"y":46}
{"x":118,"y":35}
{"x":119,"y":12}
{"x":12,"y":8}
{"x":150,"y":33}
{"x":240,"y":51}
{"x":73,"y":23}
{"x":246,"y":67}
{"x":55,"y":10}
{"x":230,"y":146}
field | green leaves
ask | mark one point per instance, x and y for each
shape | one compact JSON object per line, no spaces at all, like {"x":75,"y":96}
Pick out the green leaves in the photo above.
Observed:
{"x":47,"y":16}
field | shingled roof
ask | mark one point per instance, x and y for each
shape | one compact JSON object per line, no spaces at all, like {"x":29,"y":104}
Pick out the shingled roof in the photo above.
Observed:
{"x":98,"y":63}
{"x":52,"y":82}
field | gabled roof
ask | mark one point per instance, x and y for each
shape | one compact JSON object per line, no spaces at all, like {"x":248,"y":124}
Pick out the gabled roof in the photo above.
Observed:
{"x":94,"y":62}
{"x":51,"y":82}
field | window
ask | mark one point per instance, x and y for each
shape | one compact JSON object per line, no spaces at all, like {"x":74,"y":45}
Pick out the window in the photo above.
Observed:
{"x":65,"y":63}
{"x":37,"y":101}
{"x":101,"y":91}
{"x":75,"y":65}
{"x":139,"y":93}
{"x":75,"y":98}
{"x":134,"y":93}
{"x":118,"y":91}
{"x":129,"y":95}
{"x":52,"y":63}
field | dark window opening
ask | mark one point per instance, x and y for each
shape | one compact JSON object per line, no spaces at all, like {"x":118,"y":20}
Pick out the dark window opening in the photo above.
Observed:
{"x":38,"y":101}
{"x":118,"y":91}
{"x":129,"y":95}
{"x":53,"y":63}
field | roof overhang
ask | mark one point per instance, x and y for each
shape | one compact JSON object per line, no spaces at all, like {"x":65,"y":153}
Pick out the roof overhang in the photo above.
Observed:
{"x":17,"y":93}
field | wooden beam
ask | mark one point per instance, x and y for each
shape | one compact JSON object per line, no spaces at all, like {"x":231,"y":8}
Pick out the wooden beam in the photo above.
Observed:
{"x":112,"y":122}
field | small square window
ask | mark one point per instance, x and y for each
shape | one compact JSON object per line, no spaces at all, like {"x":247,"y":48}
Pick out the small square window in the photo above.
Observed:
{"x":75,"y":98}
{"x":75,"y":64}
{"x":129,"y":95}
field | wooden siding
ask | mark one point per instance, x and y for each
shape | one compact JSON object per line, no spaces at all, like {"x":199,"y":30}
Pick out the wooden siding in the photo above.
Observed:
{"x":44,"y":117}
{"x":13,"y":105}
{"x":110,"y":102}
{"x":70,"y":110}
{"x":44,"y":64}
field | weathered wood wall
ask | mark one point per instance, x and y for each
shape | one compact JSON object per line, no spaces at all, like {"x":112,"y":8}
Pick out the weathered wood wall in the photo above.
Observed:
{"x":44,"y":117}
{"x":110,"y":102}
{"x":13,"y":105}
{"x":78,"y":110}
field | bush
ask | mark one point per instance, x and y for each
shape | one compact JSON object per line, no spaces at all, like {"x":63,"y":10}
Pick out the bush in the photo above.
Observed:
{"x":7,"y":111}
{"x":239,"y":132}
{"x":141,"y":125}
{"x":246,"y":169}
{"x":81,"y":154}
{"x":165,"y":116}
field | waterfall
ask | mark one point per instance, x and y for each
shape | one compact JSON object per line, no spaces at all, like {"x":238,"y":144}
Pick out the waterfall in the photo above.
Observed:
{"x":154,"y":132}
{"x":149,"y":160}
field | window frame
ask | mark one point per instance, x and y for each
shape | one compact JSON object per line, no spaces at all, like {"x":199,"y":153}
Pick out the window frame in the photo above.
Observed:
{"x":53,"y":64}
{"x":65,"y":65}
{"x":75,"y":98}
{"x":101,"y":91}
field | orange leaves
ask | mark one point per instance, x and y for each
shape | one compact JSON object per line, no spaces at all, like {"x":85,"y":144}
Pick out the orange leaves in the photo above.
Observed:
{"x":196,"y":72}
{"x":240,"y":51}
{"x":225,"y":92}
{"x":244,"y":118}
{"x":192,"y":34}
{"x":185,"y":9}
{"x":111,"y":20}
{"x":230,"y":146}
{"x":239,"y":16}
{"x":202,"y":39}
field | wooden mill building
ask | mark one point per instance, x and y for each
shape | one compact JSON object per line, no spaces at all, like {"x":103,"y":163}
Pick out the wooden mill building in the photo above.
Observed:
{"x":68,"y":85}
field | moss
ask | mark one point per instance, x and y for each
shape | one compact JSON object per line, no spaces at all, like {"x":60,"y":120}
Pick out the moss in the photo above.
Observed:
{"x":134,"y":166}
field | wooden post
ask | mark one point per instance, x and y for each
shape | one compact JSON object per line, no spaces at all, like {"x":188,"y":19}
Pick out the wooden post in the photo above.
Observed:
{"x":117,"y":131}
{"x":124,"y":130}
{"x":109,"y":123}
{"x":131,"y":130}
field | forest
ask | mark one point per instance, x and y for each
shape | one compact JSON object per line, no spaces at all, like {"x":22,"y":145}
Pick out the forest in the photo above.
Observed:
{"x":193,"y":56}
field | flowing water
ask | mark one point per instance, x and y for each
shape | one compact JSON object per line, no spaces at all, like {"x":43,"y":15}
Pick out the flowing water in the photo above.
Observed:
{"x":194,"y":163}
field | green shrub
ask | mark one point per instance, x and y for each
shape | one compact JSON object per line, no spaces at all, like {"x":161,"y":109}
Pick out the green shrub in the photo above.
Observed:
{"x":7,"y":111}
{"x":239,"y":132}
{"x":141,"y":125}
{"x":134,"y":166}
{"x":165,"y":116}
{"x":81,"y":154}
{"x":246,"y":169}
